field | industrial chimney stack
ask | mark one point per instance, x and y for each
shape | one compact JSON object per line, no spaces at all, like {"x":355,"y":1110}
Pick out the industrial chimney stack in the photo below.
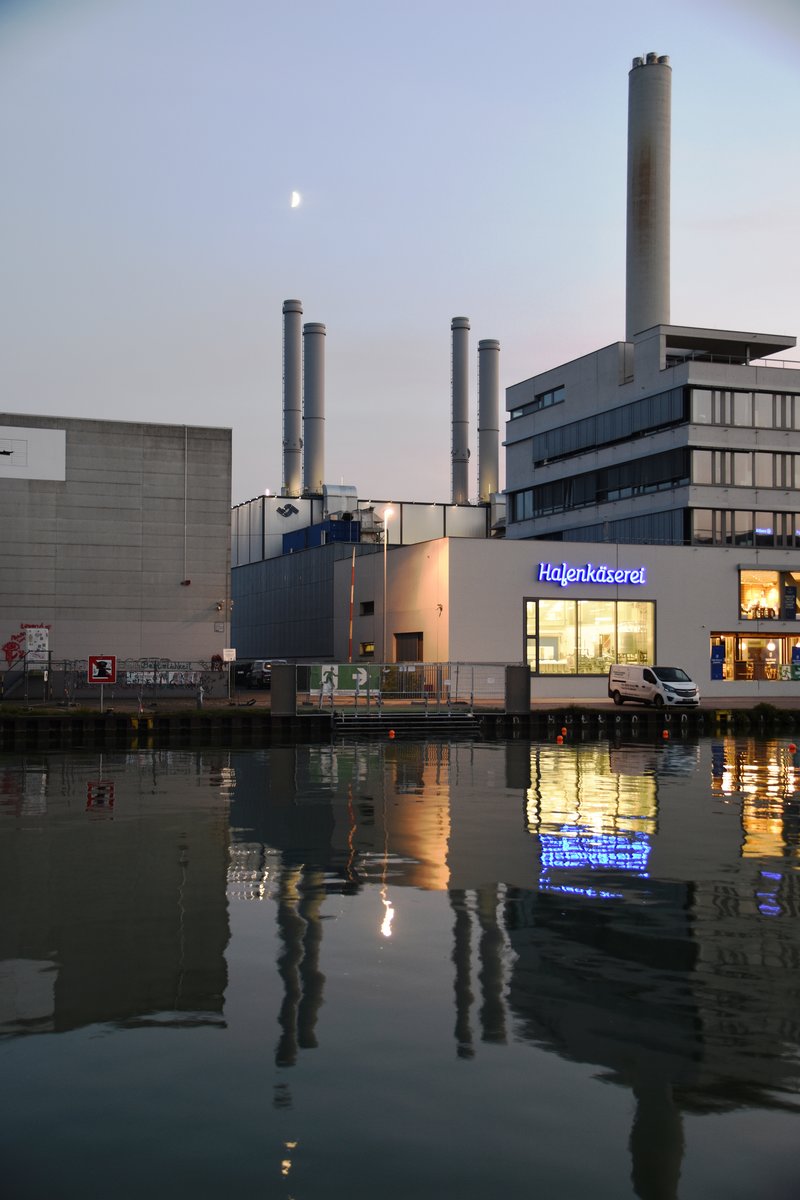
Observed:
{"x":292,"y":440}
{"x":488,"y":419}
{"x":313,"y":408}
{"x":460,"y":420}
{"x":647,"y":271}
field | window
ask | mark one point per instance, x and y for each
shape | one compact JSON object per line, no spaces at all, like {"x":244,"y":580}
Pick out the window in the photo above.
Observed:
{"x":585,"y":637}
{"x":366,"y":650}
{"x":759,"y":595}
{"x":702,"y":466}
{"x":366,"y":608}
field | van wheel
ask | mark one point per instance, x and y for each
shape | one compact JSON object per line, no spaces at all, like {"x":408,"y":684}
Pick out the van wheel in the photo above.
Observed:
{"x":659,"y":701}
{"x":615,"y":696}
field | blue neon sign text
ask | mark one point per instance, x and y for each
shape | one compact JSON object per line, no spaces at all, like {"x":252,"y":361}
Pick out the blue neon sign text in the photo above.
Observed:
{"x":563,"y":574}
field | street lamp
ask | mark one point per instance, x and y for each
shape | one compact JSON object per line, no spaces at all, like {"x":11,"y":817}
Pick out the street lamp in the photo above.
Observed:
{"x":387,"y":513}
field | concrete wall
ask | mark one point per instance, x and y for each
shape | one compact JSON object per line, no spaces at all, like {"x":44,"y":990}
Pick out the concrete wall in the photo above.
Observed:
{"x":99,"y":554}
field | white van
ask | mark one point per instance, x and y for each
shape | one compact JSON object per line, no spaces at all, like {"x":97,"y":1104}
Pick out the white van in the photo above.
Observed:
{"x":659,"y":686}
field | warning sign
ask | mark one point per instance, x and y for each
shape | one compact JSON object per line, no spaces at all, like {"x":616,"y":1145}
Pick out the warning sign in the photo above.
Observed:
{"x":102,"y":668}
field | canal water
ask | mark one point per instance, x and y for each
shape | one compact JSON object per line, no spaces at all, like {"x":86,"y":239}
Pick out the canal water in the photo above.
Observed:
{"x":402,"y":970}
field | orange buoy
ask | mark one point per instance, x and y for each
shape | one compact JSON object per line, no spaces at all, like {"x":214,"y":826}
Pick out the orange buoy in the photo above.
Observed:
{"x":559,"y":740}
{"x":391,"y":733}
{"x":665,"y":733}
{"x":792,"y":748}
{"x":563,"y":731}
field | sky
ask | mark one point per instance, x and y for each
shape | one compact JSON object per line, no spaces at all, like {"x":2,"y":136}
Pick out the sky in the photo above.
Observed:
{"x":454,"y":158}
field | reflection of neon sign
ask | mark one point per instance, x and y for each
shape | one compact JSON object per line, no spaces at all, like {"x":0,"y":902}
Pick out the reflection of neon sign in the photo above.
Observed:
{"x":577,"y":848}
{"x":563,"y":574}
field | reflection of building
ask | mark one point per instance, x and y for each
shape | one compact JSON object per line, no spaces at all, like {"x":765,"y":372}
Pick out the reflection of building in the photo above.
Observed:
{"x":605,"y":906}
{"x":116,"y":910}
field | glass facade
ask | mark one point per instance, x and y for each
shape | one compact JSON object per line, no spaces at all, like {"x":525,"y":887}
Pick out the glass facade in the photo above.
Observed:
{"x":586,"y":637}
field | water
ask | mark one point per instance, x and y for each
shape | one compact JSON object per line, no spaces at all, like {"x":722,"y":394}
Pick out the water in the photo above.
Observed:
{"x":402,"y":970}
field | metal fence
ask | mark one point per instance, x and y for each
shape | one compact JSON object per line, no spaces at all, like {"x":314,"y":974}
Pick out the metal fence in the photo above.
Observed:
{"x":369,"y":687}
{"x":138,"y":679}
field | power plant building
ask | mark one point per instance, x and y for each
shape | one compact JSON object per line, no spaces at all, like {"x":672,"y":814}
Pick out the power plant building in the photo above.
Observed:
{"x":658,"y":463}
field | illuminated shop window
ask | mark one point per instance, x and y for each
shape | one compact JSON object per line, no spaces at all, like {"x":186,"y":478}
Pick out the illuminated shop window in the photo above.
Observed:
{"x":585,"y":637}
{"x":759,"y":595}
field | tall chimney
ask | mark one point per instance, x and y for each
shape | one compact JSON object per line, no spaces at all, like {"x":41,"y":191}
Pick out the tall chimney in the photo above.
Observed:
{"x":647,"y":273}
{"x":488,"y":418}
{"x":292,"y":441}
{"x":460,"y":394}
{"x":313,"y":408}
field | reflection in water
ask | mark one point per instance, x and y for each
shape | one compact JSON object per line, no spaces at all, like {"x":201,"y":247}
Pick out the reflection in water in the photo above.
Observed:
{"x":113,"y":900}
{"x":630,"y":908}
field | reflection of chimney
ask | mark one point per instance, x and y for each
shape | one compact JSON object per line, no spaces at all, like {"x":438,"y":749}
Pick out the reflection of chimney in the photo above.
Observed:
{"x":292,"y":441}
{"x":462,"y":961}
{"x":460,"y":400}
{"x":647,"y":269}
{"x":488,"y":419}
{"x":290,"y":927}
{"x":313,"y":408}
{"x":313,"y":893}
{"x":299,"y":901}
{"x":491,"y":975}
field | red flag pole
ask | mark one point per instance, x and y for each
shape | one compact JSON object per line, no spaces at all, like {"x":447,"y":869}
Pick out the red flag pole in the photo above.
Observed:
{"x":352,"y":595}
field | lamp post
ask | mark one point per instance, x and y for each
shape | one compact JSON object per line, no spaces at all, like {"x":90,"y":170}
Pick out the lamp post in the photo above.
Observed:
{"x":387,"y":513}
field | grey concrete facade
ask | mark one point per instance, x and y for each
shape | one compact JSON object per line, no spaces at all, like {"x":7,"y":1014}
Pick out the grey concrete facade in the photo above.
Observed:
{"x":116,"y":536}
{"x":644,"y":474}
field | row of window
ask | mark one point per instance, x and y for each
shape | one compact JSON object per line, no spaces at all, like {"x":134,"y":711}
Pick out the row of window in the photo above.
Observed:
{"x":638,"y":477}
{"x":746,"y":468}
{"x":586,"y":637}
{"x":543,"y":400}
{"x":614,"y":425}
{"x":759,"y":410}
{"x":741,"y":527}
{"x":655,"y":473}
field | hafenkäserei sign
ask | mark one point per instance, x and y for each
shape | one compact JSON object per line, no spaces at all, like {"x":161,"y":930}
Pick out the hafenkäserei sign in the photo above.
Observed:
{"x":563,"y":574}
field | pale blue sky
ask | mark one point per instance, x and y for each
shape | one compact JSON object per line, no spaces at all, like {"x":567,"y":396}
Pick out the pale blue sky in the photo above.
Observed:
{"x":455,"y":158}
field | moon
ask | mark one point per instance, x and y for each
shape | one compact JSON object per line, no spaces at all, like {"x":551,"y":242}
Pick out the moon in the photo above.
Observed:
{"x":296,"y":198}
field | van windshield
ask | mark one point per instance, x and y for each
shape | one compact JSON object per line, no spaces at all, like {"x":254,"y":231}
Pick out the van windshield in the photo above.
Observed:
{"x":671,"y":675}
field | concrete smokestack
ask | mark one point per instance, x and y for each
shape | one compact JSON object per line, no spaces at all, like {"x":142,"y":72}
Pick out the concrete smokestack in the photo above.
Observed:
{"x":460,"y":392}
{"x":292,"y":441}
{"x":647,"y":274}
{"x":313,"y":408}
{"x":488,"y":419}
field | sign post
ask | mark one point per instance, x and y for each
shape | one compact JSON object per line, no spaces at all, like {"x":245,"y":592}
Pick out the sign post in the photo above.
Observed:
{"x":229,"y":656}
{"x":102,"y":669}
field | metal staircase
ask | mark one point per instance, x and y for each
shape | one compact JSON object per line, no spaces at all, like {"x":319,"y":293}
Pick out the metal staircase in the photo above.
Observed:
{"x":458,"y":724}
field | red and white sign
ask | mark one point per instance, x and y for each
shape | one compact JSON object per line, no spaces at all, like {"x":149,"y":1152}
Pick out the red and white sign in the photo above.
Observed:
{"x":102,"y":668}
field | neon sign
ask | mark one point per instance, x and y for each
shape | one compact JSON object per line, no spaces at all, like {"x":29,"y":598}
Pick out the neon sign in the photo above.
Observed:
{"x":563,"y":574}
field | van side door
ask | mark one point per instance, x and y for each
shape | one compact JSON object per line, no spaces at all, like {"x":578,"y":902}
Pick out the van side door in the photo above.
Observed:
{"x":649,"y":684}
